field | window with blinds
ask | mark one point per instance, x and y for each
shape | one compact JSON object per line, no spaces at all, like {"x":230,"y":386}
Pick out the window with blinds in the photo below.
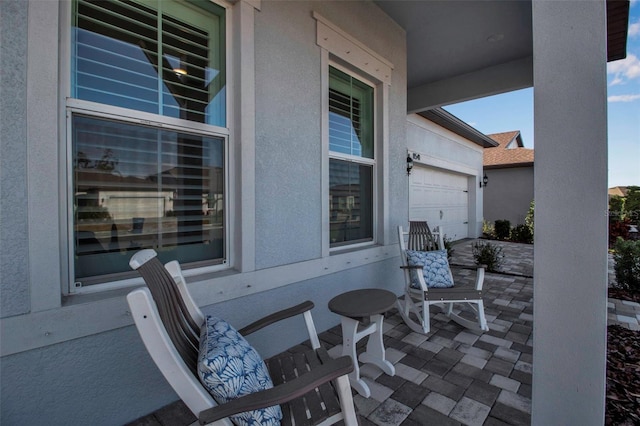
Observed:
{"x":138,"y":187}
{"x":140,"y":183}
{"x":351,"y":159}
{"x":350,"y":115}
{"x":160,"y":56}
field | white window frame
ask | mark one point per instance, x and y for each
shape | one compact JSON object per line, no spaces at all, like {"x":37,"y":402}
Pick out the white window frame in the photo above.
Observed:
{"x":72,"y":106}
{"x":340,"y":50}
{"x":334,"y":155}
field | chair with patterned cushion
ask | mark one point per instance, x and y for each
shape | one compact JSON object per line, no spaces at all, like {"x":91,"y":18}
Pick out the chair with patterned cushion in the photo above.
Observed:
{"x":428,"y":280}
{"x":216,"y":372}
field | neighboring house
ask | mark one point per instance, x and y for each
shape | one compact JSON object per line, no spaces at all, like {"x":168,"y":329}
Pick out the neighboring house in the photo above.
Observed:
{"x":509,"y":170}
{"x":618,"y":191}
{"x":288,"y":121}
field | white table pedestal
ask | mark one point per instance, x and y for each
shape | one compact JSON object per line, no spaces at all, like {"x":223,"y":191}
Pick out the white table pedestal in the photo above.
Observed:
{"x":352,"y":332}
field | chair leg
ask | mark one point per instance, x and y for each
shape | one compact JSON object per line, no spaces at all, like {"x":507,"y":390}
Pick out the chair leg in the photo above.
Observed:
{"x":418,"y":325}
{"x":426,"y":319}
{"x":481,"y":318}
{"x":449,"y":309}
{"x":407,"y":304}
{"x":346,"y":401}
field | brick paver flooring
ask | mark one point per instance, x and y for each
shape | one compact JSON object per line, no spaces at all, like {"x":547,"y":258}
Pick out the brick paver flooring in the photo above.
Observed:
{"x":454,"y":376}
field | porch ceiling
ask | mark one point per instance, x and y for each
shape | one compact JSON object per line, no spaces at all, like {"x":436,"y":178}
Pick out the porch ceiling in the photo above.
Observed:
{"x":462,"y":50}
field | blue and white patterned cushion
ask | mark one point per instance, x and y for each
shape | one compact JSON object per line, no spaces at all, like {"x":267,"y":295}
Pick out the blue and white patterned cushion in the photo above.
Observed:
{"x":435,"y":267}
{"x":229,"y":367}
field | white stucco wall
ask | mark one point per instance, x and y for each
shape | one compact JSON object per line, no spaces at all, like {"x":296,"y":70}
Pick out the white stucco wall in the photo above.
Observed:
{"x":80,"y":356}
{"x":446,"y":150}
{"x":14,"y":294}
{"x":570,"y":246}
{"x":508,"y":194}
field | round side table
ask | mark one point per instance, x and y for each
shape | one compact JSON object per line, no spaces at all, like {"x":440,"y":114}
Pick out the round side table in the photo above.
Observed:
{"x":361,"y":314}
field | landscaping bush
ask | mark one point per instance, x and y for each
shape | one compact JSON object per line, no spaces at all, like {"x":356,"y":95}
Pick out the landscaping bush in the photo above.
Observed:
{"x":448,"y":246}
{"x":627,"y":268}
{"x":529,"y":219}
{"x":487,"y":254}
{"x":618,"y":229}
{"x":503,"y":229}
{"x":488,"y":230}
{"x":521,"y":234}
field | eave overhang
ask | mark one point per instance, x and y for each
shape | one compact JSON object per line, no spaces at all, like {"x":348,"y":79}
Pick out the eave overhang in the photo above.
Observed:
{"x":457,"y":126}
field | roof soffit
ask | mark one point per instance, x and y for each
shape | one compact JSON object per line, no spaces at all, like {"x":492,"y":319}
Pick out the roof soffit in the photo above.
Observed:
{"x":465,"y":49}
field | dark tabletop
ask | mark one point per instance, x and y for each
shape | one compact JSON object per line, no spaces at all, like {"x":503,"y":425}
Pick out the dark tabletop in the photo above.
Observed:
{"x":363,"y":303}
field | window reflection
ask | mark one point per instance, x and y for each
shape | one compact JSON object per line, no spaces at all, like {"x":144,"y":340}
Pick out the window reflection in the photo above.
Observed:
{"x":140,"y":187}
{"x":350,"y":202}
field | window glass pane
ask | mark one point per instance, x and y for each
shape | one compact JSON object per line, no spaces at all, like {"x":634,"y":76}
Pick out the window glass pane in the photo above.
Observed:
{"x":350,"y":202}
{"x":350,"y":115}
{"x":161,"y":57}
{"x":141,"y":187}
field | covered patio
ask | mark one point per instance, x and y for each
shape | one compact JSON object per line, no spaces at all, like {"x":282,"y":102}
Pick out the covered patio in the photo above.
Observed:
{"x":442,"y":53}
{"x":451,"y":375}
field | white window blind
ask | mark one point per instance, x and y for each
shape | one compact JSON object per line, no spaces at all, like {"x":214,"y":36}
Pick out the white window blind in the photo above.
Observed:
{"x":161,"y":57}
{"x":350,"y":115}
{"x":351,"y":152}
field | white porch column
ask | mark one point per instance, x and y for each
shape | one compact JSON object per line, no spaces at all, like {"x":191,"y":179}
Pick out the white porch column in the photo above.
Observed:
{"x":570,"y":127}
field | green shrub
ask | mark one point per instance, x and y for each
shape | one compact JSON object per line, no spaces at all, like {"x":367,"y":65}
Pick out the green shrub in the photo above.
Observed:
{"x":618,"y":229}
{"x":627,"y":257}
{"x":487,"y":254}
{"x":488,"y":229}
{"x":529,"y":219}
{"x":448,"y":245}
{"x":503,"y":229}
{"x":521,"y":234}
{"x":93,"y":213}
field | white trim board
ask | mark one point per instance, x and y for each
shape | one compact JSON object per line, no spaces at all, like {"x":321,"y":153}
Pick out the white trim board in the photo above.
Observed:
{"x":342,"y":45}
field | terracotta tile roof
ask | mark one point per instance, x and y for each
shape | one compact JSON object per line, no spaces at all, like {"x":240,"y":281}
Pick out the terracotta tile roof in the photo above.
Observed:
{"x":501,"y":156}
{"x":620,"y":191}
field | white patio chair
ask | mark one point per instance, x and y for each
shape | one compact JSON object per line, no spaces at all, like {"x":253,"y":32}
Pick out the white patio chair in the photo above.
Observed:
{"x":310,"y":387}
{"x":420,"y":295}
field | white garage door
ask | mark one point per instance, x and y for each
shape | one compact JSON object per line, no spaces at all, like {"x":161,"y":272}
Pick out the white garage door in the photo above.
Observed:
{"x":441,"y":198}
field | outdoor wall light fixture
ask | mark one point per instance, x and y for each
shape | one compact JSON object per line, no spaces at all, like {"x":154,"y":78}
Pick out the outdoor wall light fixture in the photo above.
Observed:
{"x":484,"y":181}
{"x":409,"y":164}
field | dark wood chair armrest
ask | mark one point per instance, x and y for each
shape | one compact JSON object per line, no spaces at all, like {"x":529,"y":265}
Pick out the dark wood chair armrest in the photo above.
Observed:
{"x":275,"y":317}
{"x":411,"y":267}
{"x":285,"y":392}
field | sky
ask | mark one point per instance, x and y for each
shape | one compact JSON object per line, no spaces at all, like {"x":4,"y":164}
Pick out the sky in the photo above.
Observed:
{"x":514,"y":111}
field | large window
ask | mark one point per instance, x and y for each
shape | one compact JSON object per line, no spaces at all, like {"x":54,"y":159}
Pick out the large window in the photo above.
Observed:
{"x":148,"y":137}
{"x":351,"y":159}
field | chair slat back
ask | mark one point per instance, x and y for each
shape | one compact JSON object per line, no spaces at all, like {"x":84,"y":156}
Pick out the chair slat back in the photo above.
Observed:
{"x":420,"y":237}
{"x":182,"y":329}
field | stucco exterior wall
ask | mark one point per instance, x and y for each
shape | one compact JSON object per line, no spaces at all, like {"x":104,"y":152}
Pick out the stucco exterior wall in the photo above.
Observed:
{"x":14,"y":238}
{"x":508,"y":194}
{"x":445,"y":150}
{"x":80,"y":355}
{"x":110,"y":379}
{"x":288,"y":111}
{"x":570,"y":238}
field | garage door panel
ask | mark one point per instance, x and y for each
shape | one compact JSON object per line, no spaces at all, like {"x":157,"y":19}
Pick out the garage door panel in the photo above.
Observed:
{"x":441,"y":198}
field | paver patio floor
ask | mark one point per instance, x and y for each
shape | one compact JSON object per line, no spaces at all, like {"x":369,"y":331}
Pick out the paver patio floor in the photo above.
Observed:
{"x":453,"y":375}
